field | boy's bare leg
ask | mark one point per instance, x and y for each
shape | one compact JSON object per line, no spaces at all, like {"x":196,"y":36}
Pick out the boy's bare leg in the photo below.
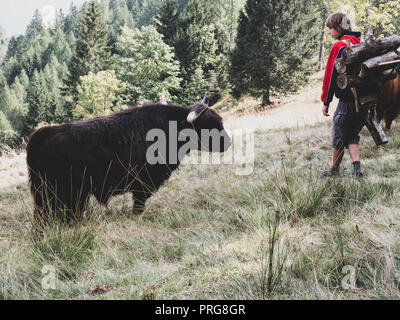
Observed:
{"x":354,"y":152}
{"x":337,"y":156}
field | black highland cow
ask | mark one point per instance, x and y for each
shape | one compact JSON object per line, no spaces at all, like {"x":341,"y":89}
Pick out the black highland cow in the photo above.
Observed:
{"x":106,"y":156}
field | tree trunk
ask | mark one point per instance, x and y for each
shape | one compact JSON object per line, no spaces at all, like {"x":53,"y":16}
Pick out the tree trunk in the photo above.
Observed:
{"x":321,"y":43}
{"x":366,"y":16}
{"x":265,"y":99}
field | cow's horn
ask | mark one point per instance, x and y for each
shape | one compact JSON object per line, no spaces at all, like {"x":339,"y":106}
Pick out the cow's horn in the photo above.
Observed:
{"x":204,"y":98}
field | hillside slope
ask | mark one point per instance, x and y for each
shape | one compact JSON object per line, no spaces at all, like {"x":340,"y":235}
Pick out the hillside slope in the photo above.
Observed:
{"x":303,"y":109}
{"x":208,"y":233}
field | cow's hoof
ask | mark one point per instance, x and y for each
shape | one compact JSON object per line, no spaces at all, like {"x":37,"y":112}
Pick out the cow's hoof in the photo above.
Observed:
{"x":138,"y":210}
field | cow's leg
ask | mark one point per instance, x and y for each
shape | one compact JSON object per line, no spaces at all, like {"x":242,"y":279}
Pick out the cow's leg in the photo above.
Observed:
{"x":40,"y":215}
{"x":379,"y":113}
{"x":138,"y":204}
{"x":72,"y":198}
{"x":78,"y":194}
{"x":388,"y":124}
{"x":139,"y":201}
{"x":138,"y":207}
{"x":48,"y":202}
{"x":77,"y":204}
{"x":102,"y":198}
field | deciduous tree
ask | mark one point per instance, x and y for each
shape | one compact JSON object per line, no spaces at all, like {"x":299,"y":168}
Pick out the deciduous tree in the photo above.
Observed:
{"x":98,"y":95}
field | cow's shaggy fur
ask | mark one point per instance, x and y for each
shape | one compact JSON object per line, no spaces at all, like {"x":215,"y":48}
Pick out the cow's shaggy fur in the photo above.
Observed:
{"x":389,"y":101}
{"x":105,"y":156}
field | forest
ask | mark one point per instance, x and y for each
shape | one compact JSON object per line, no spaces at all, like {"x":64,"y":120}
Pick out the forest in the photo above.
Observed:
{"x":107,"y":55}
{"x":276,"y":232}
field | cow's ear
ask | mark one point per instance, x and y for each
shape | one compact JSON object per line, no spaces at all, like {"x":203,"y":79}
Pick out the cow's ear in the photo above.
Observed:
{"x":192,"y":116}
{"x":196,"y":112}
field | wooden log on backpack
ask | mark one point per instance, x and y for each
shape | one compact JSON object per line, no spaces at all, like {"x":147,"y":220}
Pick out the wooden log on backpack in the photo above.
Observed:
{"x":340,"y":66}
{"x":348,"y":81}
{"x":379,"y":63}
{"x":370,"y":48}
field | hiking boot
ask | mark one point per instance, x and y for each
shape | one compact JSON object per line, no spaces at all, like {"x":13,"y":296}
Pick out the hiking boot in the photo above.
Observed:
{"x":357,"y":174}
{"x":333,"y":172}
{"x":357,"y":170}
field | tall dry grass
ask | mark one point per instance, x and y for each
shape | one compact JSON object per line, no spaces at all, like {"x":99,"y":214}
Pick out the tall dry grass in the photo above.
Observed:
{"x":279,"y":233}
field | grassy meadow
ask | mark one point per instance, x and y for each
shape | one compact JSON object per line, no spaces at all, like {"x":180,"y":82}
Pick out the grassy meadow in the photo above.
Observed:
{"x":279,"y":233}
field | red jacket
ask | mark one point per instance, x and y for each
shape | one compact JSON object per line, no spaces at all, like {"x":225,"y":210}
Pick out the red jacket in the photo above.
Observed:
{"x":329,"y":86}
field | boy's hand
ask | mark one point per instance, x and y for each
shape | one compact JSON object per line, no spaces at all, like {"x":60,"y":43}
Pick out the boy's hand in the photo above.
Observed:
{"x":325,"y":110}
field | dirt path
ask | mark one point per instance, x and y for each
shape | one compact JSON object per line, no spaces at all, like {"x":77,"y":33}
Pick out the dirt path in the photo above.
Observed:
{"x":12,"y":170}
{"x":295,"y":111}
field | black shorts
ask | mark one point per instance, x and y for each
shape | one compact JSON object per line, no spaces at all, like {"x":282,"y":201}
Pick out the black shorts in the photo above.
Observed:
{"x":347,"y":124}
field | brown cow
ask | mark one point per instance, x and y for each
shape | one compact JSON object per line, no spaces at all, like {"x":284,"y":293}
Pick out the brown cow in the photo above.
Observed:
{"x":389,"y":101}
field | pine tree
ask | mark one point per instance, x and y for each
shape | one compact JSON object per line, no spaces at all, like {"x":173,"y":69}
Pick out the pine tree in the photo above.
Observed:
{"x":224,"y":16}
{"x":12,"y":48}
{"x":3,"y":45}
{"x":191,"y":34}
{"x":38,"y":98}
{"x":58,"y":46}
{"x":3,"y":80}
{"x":71,"y":21}
{"x":143,"y":11}
{"x":23,"y":77}
{"x":117,"y":15}
{"x":7,"y":133}
{"x":91,"y":54}
{"x":60,"y":19}
{"x":146,"y":65}
{"x":8,"y":101}
{"x":53,"y":84}
{"x":21,"y":108}
{"x":19,"y":91}
{"x":196,"y":47}
{"x":36,"y":62}
{"x":165,"y":20}
{"x":35,"y":27}
{"x":14,"y":59}
{"x":182,"y":4}
{"x":275,"y":41}
{"x":11,"y":106}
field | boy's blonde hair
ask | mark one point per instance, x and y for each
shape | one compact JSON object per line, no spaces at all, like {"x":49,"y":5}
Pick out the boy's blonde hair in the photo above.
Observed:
{"x":338,"y":21}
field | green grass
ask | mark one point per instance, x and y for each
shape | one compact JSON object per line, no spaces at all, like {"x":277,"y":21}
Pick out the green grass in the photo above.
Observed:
{"x":279,"y":233}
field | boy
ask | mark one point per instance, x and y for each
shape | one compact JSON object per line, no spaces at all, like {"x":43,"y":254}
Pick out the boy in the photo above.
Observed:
{"x":347,"y":123}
